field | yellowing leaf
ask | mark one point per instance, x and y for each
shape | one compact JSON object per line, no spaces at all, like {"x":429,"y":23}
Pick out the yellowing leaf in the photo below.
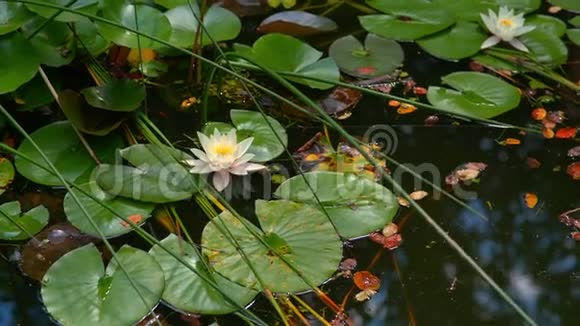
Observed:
{"x":418,"y":195}
{"x":531,"y":199}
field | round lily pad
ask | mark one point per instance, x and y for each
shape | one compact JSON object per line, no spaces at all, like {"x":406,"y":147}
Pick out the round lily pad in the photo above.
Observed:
{"x":141,"y":17}
{"x":475,"y":95}
{"x":54,"y":43}
{"x":78,"y":290}
{"x":15,"y":225}
{"x":548,"y":23}
{"x":574,"y":35}
{"x":518,"y":5}
{"x":545,"y":47}
{"x":266,"y":145}
{"x":406,"y":20}
{"x":296,"y":23}
{"x":107,"y":222}
{"x":571,"y":5}
{"x":444,"y":44}
{"x":299,"y":233}
{"x":377,"y":57}
{"x":35,"y":93}
{"x":12,"y":16}
{"x":187,"y":291}
{"x":465,"y":10}
{"x":84,"y":6}
{"x":19,"y":62}
{"x":6,"y":174}
{"x":159,"y":175}
{"x":357,"y":206}
{"x":61,"y":144}
{"x":116,"y":95}
{"x":89,"y":38}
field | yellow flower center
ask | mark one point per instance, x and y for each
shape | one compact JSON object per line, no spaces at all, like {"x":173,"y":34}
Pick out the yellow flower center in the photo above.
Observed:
{"x":506,"y":22}
{"x":224,"y":149}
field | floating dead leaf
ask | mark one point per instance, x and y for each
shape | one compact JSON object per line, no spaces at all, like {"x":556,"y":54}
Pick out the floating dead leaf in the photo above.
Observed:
{"x":419,"y":90}
{"x":574,"y":151}
{"x":297,"y":23}
{"x":394,"y":103}
{"x":48,"y":246}
{"x":531,"y":199}
{"x":533,"y":163}
{"x":391,"y":242}
{"x":566,"y":133}
{"x":554,"y":9}
{"x":571,"y":218}
{"x":135,"y":58}
{"x":431,"y":120}
{"x":366,"y":280}
{"x":406,"y":108}
{"x":346,"y":266}
{"x":557,"y":116}
{"x":340,"y":102}
{"x":403,"y":202}
{"x":465,"y":172}
{"x":548,"y":133}
{"x":575,"y":236}
{"x":573,"y":170}
{"x":418,"y":195}
{"x":548,"y":124}
{"x":390,"y":229}
{"x":510,"y":141}
{"x":539,"y":114}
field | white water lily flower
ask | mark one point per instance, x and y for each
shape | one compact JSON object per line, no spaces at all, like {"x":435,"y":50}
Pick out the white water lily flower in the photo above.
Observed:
{"x":222,"y":154}
{"x":505,"y":26}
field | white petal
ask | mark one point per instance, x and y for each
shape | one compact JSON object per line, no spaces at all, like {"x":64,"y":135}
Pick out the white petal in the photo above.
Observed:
{"x":246,"y":157}
{"x":203,"y":140}
{"x":232,"y":136}
{"x":518,"y":45}
{"x":200,"y":154}
{"x":201,"y":169}
{"x":243,"y":146}
{"x":488,"y":22}
{"x":238,"y":170}
{"x":253,"y":167}
{"x":523,"y":30}
{"x":221,"y":179}
{"x":491,"y":41}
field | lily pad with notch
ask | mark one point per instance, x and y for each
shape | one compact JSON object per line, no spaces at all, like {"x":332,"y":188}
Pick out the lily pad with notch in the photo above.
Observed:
{"x":357,"y":206}
{"x":61,"y":144}
{"x":547,"y":23}
{"x":16,"y":225}
{"x":186,"y":290}
{"x":78,"y":290}
{"x":123,"y":95}
{"x":474,"y":95}
{"x":444,"y":44}
{"x":377,"y":57}
{"x":19,"y":62}
{"x":296,"y":233}
{"x":54,"y":43}
{"x":84,"y":6}
{"x":406,"y":20}
{"x":545,"y":47}
{"x":297,"y":23}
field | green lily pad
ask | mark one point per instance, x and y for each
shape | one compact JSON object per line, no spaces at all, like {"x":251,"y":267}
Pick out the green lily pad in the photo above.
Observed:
{"x":150,"y":21}
{"x":19,"y":62}
{"x":491,"y":61}
{"x":187,"y":291}
{"x":296,"y":23}
{"x":222,"y":25}
{"x":298,"y":232}
{"x":406,"y":20}
{"x":475,"y":95}
{"x":519,"y":5}
{"x":107,"y":222}
{"x":12,"y":16}
{"x":61,"y":144}
{"x":90,"y":40}
{"x":6,"y":174}
{"x":78,"y":290}
{"x":377,"y":57}
{"x":123,"y":95}
{"x":547,"y":23}
{"x":574,"y":35}
{"x":357,"y":206}
{"x":444,"y":44}
{"x":84,"y":6}
{"x":86,"y":118}
{"x":35,"y":93}
{"x":55,"y":43}
{"x":158,"y":175}
{"x":292,"y":55}
{"x":27,"y":224}
{"x":575,"y":21}
{"x":545,"y":47}
{"x":570,"y":5}
{"x":466,"y":10}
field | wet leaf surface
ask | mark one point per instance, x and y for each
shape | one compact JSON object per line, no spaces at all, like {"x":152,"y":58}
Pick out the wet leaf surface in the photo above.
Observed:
{"x":18,"y":225}
{"x":6,"y":174}
{"x":123,"y":95}
{"x":296,"y":23}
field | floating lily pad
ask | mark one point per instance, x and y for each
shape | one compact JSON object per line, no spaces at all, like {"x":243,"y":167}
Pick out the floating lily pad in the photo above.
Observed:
{"x":15,"y":225}
{"x":444,"y":44}
{"x":35,"y":93}
{"x":61,"y":144}
{"x":377,"y":57}
{"x":141,"y":17}
{"x":221,"y":24}
{"x":107,"y":222}
{"x":78,"y":290}
{"x":19,"y":62}
{"x":251,"y":124}
{"x":86,"y":118}
{"x":357,"y":206}
{"x":519,"y":5}
{"x":296,"y":23}
{"x":292,"y":55}
{"x":574,"y":35}
{"x":116,"y":95}
{"x":547,"y":23}
{"x":158,"y":175}
{"x":406,"y":19}
{"x":570,"y":5}
{"x":84,"y":6}
{"x":298,"y":232}
{"x":187,"y":291}
{"x":475,"y":95}
{"x":6,"y":174}
{"x":468,"y":10}
{"x":48,"y":246}
{"x":12,"y":16}
{"x":491,"y":61}
{"x":575,"y":21}
{"x":545,"y":47}
{"x":55,"y":43}
{"x":89,"y":37}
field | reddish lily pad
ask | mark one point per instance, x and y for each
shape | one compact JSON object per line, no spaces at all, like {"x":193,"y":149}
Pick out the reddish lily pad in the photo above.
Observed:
{"x":296,"y":23}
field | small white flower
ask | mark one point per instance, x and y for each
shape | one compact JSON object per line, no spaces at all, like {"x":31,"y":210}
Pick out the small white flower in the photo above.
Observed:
{"x":505,"y":26}
{"x":222,"y":154}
